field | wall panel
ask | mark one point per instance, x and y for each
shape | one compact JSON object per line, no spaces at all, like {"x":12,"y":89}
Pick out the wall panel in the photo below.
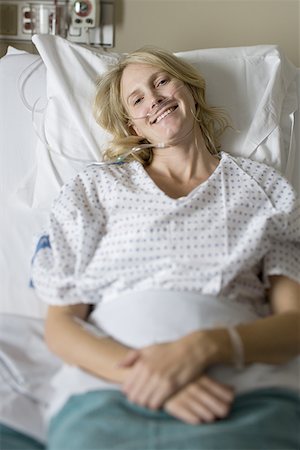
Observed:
{"x":189,"y":24}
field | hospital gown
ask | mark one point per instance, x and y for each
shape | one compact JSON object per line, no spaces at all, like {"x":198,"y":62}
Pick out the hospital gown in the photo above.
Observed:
{"x":113,"y":231}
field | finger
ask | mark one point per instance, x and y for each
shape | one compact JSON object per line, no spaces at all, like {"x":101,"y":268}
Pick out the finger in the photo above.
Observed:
{"x":130,"y":358}
{"x":140,"y":386}
{"x":198,"y":408}
{"x":224,"y":392}
{"x":181,"y":412}
{"x":144,"y":395}
{"x":150,"y":390}
{"x":164,"y":389}
{"x":132,"y":380}
{"x":143,"y":389}
{"x":207,"y":399}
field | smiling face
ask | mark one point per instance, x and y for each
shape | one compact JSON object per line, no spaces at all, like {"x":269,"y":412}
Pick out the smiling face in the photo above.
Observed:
{"x":160,"y":106}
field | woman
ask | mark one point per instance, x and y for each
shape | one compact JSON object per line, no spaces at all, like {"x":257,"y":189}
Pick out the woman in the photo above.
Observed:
{"x":172,"y":276}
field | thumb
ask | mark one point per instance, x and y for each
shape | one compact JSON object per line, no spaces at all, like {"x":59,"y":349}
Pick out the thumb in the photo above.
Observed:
{"x":129,"y":359}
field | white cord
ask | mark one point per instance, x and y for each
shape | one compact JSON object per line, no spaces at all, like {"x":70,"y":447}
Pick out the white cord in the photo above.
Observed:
{"x":23,"y":78}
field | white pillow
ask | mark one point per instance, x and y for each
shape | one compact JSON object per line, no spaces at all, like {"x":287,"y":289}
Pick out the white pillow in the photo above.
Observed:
{"x":69,"y":125}
{"x":256,"y":85}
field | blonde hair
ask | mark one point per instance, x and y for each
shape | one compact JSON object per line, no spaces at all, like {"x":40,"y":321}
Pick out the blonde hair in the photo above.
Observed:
{"x":110,"y":112}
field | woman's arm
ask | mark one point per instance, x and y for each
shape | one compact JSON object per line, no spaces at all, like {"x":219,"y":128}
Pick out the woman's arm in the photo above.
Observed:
{"x":205,"y":400}
{"x":271,"y":340}
{"x":161,"y":370}
{"x":75,"y":345}
{"x":275,"y":339}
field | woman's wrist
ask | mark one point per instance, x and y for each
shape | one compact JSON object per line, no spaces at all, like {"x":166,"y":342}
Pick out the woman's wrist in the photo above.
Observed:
{"x":211,"y":346}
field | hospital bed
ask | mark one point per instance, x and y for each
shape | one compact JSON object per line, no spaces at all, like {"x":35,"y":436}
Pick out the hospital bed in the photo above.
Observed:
{"x":48,"y":134}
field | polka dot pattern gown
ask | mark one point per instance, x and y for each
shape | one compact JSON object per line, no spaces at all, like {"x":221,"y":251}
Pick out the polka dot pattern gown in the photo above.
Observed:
{"x":113,"y":231}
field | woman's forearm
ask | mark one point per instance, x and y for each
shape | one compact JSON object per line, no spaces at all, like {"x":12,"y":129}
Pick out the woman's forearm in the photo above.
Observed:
{"x":77,"y":346}
{"x":271,"y":340}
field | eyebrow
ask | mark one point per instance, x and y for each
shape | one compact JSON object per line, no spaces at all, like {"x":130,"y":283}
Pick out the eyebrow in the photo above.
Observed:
{"x":151,"y":79}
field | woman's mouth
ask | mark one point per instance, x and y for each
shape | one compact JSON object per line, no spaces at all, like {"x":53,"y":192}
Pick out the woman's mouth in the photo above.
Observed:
{"x":163,"y":114}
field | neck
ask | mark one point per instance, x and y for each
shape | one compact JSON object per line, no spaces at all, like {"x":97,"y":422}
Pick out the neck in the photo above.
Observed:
{"x":183,"y":162}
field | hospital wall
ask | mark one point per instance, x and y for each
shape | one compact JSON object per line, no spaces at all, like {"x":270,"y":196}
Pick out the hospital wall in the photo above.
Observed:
{"x":189,"y":24}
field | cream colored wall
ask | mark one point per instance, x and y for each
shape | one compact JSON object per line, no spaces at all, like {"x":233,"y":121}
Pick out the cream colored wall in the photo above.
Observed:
{"x":188,"y":24}
{"x":27,"y":46}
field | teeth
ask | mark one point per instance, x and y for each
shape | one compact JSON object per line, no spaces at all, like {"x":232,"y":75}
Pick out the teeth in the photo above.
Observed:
{"x":159,"y":118}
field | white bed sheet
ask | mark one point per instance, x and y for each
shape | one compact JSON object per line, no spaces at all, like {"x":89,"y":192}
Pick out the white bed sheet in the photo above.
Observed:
{"x":26,"y":368}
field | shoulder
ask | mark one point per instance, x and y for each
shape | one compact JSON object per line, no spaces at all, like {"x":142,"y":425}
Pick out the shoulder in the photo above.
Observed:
{"x":112,"y":173}
{"x":258,"y":170}
{"x":268,"y":180}
{"x":98,"y":178}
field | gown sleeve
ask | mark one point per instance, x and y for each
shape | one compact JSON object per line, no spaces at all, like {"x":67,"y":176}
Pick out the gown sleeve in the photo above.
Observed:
{"x":283,"y":257}
{"x":76,"y":224}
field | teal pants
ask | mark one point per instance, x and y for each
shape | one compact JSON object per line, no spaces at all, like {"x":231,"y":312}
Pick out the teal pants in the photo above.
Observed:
{"x":267,"y":419}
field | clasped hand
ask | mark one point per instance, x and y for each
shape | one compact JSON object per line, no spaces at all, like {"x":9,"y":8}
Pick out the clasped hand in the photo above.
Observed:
{"x":170,"y":375}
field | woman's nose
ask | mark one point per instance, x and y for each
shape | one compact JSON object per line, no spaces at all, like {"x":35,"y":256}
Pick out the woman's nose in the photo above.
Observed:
{"x":156,"y":101}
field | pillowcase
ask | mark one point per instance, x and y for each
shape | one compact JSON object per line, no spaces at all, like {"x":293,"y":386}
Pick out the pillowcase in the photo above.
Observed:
{"x":256,"y":85}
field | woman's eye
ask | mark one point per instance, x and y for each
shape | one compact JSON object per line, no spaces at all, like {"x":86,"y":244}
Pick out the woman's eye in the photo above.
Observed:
{"x":137,"y":101}
{"x":162,"y":82}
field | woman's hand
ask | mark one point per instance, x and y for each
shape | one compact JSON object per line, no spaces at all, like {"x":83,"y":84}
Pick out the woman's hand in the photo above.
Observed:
{"x":202,"y":401}
{"x":160,"y":370}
